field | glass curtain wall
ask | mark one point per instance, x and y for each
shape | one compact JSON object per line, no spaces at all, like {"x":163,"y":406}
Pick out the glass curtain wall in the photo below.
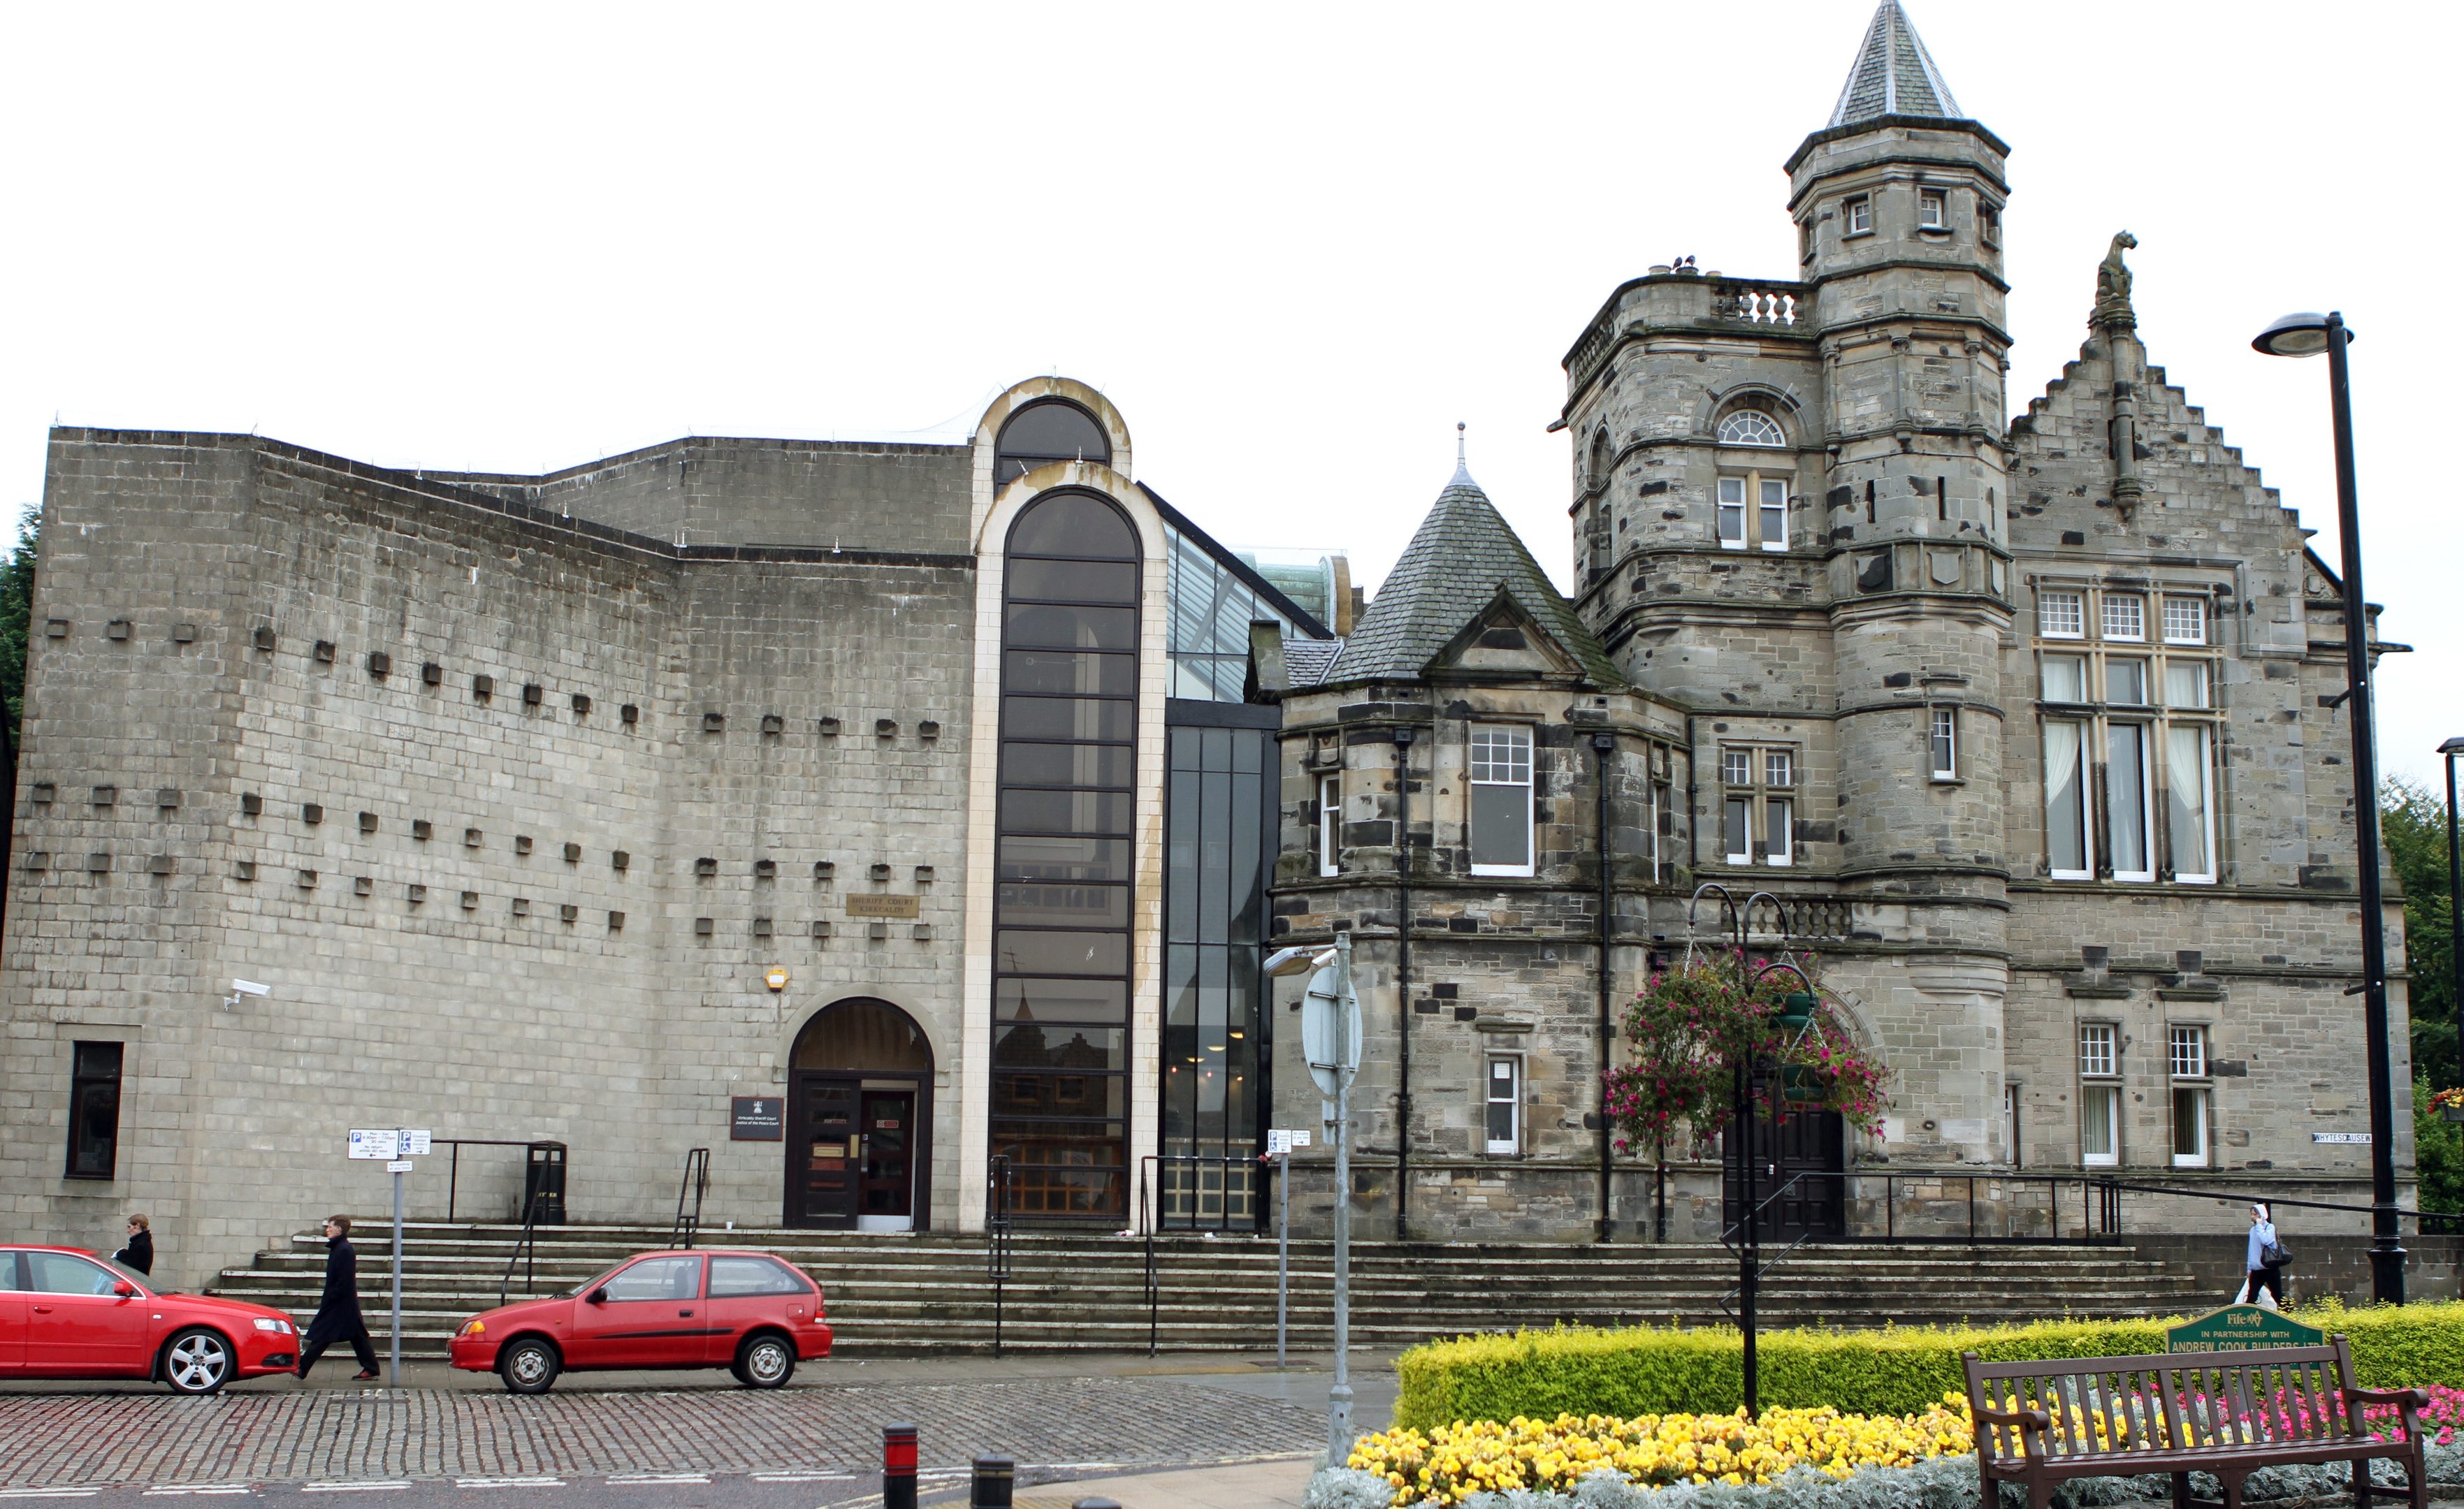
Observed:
{"x":1061,"y":906}
{"x":1217,"y":817}
{"x":1211,"y":611}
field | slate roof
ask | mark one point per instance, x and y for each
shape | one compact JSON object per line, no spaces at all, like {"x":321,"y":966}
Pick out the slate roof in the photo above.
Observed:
{"x":1893,"y":74}
{"x":1306,"y":660}
{"x":1463,"y":554}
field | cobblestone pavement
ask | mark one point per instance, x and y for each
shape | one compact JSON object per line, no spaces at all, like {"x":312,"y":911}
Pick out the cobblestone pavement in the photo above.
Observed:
{"x":1053,"y":1426}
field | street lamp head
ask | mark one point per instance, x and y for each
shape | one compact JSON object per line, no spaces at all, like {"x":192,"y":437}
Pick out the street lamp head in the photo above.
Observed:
{"x":2453,"y":747}
{"x":2304,"y":335}
{"x":1285,"y":962}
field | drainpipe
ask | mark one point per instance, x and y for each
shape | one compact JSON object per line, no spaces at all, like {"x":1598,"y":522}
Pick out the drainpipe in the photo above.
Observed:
{"x":1606,"y":746}
{"x":1403,"y":982}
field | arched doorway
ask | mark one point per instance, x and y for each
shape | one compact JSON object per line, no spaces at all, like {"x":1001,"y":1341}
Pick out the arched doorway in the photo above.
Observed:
{"x":860,"y":1120}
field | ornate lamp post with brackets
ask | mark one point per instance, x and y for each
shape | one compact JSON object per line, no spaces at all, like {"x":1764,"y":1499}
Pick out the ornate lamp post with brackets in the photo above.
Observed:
{"x":2307,"y":335}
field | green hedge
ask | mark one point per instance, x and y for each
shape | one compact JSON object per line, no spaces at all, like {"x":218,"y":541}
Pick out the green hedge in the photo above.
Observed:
{"x":1894,"y":1371}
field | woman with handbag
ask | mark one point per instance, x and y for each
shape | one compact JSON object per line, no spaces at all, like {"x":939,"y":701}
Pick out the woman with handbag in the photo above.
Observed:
{"x":2265,"y":1258}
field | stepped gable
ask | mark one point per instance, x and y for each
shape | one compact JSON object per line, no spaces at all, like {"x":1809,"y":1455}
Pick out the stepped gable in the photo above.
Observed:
{"x":1450,"y":578}
{"x":1893,"y":74}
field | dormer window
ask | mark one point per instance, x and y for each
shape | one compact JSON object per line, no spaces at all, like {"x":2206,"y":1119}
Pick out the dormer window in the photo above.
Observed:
{"x":1933,"y":210}
{"x":1750,"y":427}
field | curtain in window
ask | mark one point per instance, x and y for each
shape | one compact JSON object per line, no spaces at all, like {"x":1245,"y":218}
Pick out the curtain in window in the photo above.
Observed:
{"x":2065,"y":799}
{"x":2185,"y":799}
{"x":2126,"y":793}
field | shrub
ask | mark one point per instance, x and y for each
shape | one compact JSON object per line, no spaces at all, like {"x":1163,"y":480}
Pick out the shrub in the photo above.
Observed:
{"x":1894,"y":1370}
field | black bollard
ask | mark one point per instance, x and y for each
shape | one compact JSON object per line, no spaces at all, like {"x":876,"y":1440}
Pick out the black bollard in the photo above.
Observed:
{"x":899,"y":1466}
{"x":995,"y":1479}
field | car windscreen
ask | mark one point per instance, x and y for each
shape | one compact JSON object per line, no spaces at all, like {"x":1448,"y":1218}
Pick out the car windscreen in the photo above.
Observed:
{"x":593,"y":1281}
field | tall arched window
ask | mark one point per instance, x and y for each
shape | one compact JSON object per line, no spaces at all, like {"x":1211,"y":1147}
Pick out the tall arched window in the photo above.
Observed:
{"x":1597,"y":525}
{"x":1596,"y":475}
{"x":1750,"y":427}
{"x":1063,"y":870}
{"x":1044,"y":432}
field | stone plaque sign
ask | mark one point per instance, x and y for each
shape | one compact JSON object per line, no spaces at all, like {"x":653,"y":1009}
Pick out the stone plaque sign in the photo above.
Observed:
{"x":2241,"y":1329}
{"x":882,"y":906}
{"x":757,"y":1118}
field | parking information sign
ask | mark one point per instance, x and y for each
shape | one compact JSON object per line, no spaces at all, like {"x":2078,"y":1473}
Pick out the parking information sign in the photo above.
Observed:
{"x":386,"y":1143}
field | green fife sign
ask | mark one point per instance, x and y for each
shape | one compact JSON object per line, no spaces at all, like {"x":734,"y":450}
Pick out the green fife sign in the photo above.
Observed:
{"x":2241,"y":1329}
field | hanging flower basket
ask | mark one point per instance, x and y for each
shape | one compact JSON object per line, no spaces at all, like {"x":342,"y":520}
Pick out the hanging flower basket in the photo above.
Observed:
{"x":2448,"y":1105}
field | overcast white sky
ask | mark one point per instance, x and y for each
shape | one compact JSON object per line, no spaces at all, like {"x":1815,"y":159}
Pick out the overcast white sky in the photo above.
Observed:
{"x":1294,"y":243}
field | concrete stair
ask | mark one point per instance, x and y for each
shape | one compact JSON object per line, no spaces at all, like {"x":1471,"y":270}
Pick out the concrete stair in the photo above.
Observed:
{"x":924,"y":1293}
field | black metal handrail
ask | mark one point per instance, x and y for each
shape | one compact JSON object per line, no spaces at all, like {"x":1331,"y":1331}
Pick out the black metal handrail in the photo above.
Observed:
{"x":525,"y":1253}
{"x":695,"y":1185}
{"x":454,"y":1163}
{"x":1231,"y":1169}
{"x":997,"y":1238}
{"x":1147,"y":1232}
{"x":2099,"y":1210}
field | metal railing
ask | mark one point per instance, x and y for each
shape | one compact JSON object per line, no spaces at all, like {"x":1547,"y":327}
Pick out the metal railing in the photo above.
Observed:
{"x":695,"y":1185}
{"x":1147,"y":1235}
{"x":997,"y":1235}
{"x":525,"y":1253}
{"x":1208,"y":1192}
{"x":453,"y":1165}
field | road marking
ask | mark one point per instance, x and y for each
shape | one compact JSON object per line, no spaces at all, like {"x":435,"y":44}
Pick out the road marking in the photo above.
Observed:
{"x":373,"y":1485}
{"x":48,"y":1492}
{"x":632,"y":1480}
{"x":806,"y":1478}
{"x":203,"y":1488}
{"x":509,"y":1482}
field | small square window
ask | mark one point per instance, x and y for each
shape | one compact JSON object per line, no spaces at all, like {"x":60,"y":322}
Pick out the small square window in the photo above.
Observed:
{"x":1859,"y":213}
{"x":2097,"y":1050}
{"x":1931,"y":208}
{"x":2185,"y":620}
{"x":1779,"y":768}
{"x":1737,"y":767}
{"x":2125,"y":617}
{"x":2061,"y":615}
{"x":2187,"y":1052}
{"x":2065,"y":678}
{"x":2125,"y":681}
{"x":2186,"y":684}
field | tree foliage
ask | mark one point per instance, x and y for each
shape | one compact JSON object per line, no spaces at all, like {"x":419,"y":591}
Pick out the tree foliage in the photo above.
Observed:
{"x":2412,"y":824}
{"x":16,"y":618}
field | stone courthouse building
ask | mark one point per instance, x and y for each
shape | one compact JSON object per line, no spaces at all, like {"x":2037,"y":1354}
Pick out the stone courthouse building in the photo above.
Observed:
{"x":904,"y":824}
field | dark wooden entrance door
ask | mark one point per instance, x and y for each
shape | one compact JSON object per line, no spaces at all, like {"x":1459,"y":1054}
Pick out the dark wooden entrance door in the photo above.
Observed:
{"x":1790,"y":1156}
{"x":887,"y":1191}
{"x":822,"y":1140}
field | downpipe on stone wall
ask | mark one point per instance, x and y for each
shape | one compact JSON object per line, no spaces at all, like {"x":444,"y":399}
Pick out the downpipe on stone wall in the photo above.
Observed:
{"x":1402,"y":985}
{"x":1605,"y":744}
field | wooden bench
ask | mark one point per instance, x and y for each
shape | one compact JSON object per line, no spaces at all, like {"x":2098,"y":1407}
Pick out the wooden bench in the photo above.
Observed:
{"x":2229,"y":1414}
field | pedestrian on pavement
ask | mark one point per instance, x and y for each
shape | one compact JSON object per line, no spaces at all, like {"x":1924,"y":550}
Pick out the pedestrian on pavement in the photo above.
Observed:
{"x":337,"y":1313}
{"x":2265,"y":1275}
{"x":138,"y":1254}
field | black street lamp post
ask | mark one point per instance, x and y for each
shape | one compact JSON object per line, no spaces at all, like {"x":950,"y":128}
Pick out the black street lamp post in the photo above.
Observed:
{"x":2306,"y":336}
{"x":2454,"y":901}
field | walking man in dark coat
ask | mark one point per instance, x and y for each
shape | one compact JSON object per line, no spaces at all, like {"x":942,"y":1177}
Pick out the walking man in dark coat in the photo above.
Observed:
{"x":337,"y":1313}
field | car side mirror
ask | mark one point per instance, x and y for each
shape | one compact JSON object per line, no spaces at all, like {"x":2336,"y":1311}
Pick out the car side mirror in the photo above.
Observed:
{"x":598,"y":1295}
{"x":124,"y":1289}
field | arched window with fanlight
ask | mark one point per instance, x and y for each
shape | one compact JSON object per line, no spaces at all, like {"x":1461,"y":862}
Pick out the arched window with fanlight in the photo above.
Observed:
{"x":1044,"y":432}
{"x":1749,"y":427}
{"x":1598,"y":523}
{"x":1063,"y":866}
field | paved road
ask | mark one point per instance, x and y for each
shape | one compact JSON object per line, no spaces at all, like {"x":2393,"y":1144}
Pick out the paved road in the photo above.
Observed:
{"x":645,"y":1439}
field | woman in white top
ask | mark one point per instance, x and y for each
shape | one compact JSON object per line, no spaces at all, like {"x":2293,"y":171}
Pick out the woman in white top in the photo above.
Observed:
{"x":2269,"y":1277}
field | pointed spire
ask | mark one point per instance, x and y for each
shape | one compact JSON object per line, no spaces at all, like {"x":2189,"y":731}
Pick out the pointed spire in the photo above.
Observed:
{"x":1462,"y":472}
{"x":1893,"y":74}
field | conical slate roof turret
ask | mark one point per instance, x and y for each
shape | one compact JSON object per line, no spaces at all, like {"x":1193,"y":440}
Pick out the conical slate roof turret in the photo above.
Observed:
{"x":1463,"y":556}
{"x":1893,"y":74}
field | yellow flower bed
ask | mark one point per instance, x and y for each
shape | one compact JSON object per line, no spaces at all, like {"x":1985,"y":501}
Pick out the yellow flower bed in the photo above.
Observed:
{"x":1451,"y":1463}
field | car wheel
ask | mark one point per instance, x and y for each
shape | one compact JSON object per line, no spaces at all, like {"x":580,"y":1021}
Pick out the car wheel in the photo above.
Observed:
{"x":766,"y":1362}
{"x":530,"y":1366}
{"x":197,"y":1361}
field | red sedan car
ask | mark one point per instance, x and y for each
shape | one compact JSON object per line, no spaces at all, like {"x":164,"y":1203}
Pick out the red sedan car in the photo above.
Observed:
{"x":748,"y":1312}
{"x":66,"y":1313}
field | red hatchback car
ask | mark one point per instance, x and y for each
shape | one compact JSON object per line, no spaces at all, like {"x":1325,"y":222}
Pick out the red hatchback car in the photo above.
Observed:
{"x":66,"y":1313}
{"x":752,"y":1314}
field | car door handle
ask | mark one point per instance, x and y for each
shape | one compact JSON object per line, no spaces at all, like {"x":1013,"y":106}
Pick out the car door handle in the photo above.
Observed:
{"x":684,"y":1312}
{"x":42,"y":1309}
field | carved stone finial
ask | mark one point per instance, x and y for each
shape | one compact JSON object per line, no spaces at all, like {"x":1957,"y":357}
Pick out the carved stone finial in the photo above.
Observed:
{"x":2113,"y":309}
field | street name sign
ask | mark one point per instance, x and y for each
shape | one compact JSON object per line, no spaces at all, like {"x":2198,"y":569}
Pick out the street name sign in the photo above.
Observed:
{"x":2241,"y":1329}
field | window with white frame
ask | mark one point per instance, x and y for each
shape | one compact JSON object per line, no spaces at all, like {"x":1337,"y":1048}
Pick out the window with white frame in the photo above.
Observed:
{"x":2100,"y":1094}
{"x":1505,"y":1119}
{"x":1753,"y":512}
{"x":1749,"y":426}
{"x":1501,"y":800}
{"x":1932,"y":209}
{"x":2186,"y":1056}
{"x":1329,"y":825}
{"x":1857,"y":213}
{"x":2126,"y":616}
{"x":2130,"y":737}
{"x":1944,"y":743}
{"x":1758,"y":804}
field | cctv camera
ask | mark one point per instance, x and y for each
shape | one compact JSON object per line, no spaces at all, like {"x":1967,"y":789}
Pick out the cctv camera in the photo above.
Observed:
{"x":249,"y":987}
